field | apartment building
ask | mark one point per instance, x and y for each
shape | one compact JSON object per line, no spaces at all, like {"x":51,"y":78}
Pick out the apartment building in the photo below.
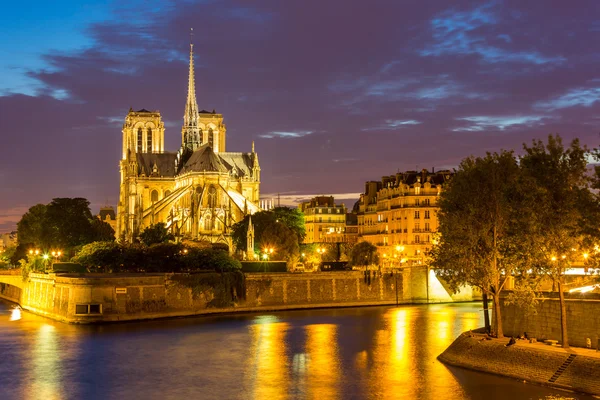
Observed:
{"x":399,"y":215}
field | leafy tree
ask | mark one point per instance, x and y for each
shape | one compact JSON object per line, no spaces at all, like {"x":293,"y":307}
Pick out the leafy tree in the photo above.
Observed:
{"x":31,"y":231}
{"x":157,"y":233}
{"x":63,"y":224}
{"x":69,"y":223}
{"x":480,"y":243}
{"x":106,"y":256}
{"x":364,"y":254}
{"x":103,"y":232}
{"x":283,"y":240}
{"x":6,"y":255}
{"x":290,"y":217}
{"x":563,"y":227}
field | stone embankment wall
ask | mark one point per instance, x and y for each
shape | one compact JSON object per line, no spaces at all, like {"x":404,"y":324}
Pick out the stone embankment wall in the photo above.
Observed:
{"x":583,"y":319}
{"x":103,"y":298}
{"x":524,"y":363}
{"x":10,"y":292}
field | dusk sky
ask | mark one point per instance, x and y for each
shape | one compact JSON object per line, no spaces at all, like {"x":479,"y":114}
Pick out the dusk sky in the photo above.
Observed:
{"x":334,"y":93}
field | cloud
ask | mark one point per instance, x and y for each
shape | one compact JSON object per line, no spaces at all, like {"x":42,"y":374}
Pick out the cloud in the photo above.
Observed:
{"x":585,"y":97}
{"x":482,"y":123}
{"x":392,"y":125}
{"x":460,"y":33}
{"x":285,"y":135}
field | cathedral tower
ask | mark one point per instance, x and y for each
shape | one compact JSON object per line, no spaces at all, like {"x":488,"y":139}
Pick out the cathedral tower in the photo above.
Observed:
{"x":190,"y":132}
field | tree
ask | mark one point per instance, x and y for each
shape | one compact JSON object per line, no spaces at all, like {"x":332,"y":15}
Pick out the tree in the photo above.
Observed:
{"x":479,"y":242}
{"x":31,"y":230}
{"x":290,"y":217}
{"x":63,"y":224}
{"x":564,"y":205}
{"x":106,"y":256}
{"x":364,"y":254}
{"x":69,"y":223}
{"x":103,"y":232}
{"x":283,"y":241}
{"x":157,"y":233}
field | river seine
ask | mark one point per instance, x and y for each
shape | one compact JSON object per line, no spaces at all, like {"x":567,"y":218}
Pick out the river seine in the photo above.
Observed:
{"x":352,"y":353}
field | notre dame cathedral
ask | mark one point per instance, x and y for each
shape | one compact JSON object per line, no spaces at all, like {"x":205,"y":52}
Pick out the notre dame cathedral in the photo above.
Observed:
{"x":198,"y":191}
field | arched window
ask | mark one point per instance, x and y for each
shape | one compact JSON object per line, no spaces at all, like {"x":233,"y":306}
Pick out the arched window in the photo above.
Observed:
{"x":201,"y":138}
{"x":207,"y":223}
{"x":212,"y":197}
{"x":167,"y":193}
{"x":149,"y":140}
{"x":140,"y":140}
{"x":154,"y":196}
{"x":210,"y":138}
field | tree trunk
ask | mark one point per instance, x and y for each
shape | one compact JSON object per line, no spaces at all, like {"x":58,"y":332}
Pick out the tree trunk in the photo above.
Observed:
{"x":497,"y":317}
{"x":563,"y":314}
{"x":486,"y":313}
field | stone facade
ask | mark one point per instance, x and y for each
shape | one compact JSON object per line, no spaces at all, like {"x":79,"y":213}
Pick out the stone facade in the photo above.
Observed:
{"x":399,"y":215}
{"x":525,"y":363}
{"x":198,"y":191}
{"x":324,"y":220}
{"x":583,"y":319}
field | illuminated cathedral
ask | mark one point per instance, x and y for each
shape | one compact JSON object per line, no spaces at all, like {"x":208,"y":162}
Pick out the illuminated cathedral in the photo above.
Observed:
{"x":200,"y":191}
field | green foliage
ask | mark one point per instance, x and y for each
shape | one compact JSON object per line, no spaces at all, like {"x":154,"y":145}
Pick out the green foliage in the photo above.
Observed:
{"x":31,"y":263}
{"x":283,"y":241}
{"x":100,"y":256}
{"x":482,"y":233}
{"x":364,"y":254}
{"x":64,"y":224}
{"x":565,"y":223}
{"x":31,"y":230}
{"x":157,"y":233}
{"x":292,"y":218}
{"x":103,"y":232}
{"x":160,"y":257}
{"x":6,"y":255}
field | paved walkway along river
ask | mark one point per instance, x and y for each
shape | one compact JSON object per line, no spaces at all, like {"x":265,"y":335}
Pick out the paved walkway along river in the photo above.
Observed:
{"x":353,"y":353}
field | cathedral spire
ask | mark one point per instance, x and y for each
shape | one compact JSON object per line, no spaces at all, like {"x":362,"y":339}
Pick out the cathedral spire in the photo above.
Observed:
{"x":190,"y":131}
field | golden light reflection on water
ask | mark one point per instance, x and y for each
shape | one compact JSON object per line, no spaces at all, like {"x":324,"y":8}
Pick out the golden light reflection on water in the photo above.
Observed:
{"x":44,"y":372}
{"x":323,"y":366}
{"x":392,"y":375}
{"x":268,"y":372}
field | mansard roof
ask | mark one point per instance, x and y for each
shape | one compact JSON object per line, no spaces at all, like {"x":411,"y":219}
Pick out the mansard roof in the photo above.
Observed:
{"x":165,"y":164}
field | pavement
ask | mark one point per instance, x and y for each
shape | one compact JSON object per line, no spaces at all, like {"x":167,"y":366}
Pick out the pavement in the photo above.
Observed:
{"x":541,"y":346}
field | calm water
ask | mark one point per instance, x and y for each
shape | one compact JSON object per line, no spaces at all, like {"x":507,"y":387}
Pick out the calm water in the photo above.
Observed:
{"x":380,"y":353}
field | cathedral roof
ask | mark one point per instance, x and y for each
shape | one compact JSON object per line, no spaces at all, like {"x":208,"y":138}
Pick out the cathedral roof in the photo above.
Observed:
{"x":204,"y":159}
{"x":242,"y":162}
{"x":164,"y":162}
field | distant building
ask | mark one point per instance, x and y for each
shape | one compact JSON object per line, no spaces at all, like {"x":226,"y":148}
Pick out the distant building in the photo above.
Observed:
{"x":399,"y":214}
{"x":351,"y":227}
{"x":108,"y":215}
{"x":324,"y":220}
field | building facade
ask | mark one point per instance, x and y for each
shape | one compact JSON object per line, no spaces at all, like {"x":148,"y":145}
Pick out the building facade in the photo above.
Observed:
{"x":399,"y":215}
{"x":198,"y":191}
{"x":325,"y":221}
